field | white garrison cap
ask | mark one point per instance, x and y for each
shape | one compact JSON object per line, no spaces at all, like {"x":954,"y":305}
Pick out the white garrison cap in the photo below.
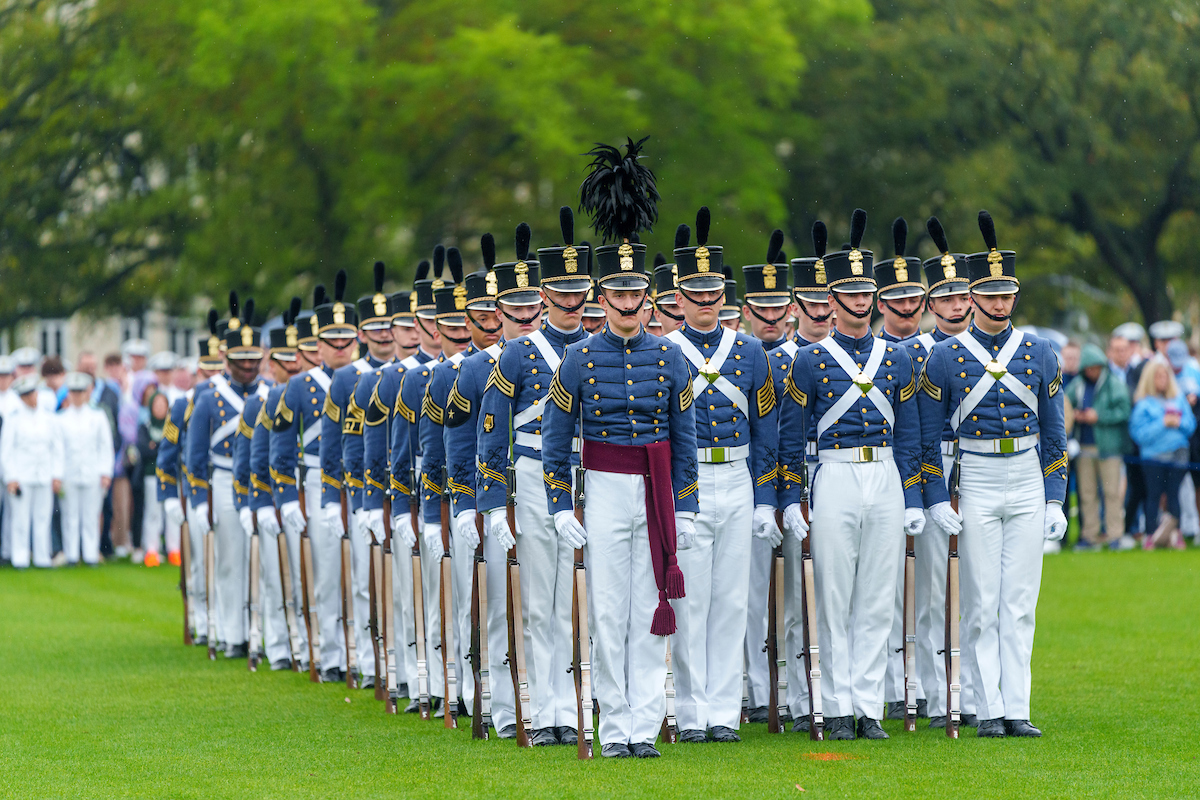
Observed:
{"x":1166,"y":329}
{"x":26,"y":357}
{"x":78,"y":381}
{"x":136,"y":347}
{"x":6,"y":365}
{"x":164,"y":359}
{"x":25,"y":384}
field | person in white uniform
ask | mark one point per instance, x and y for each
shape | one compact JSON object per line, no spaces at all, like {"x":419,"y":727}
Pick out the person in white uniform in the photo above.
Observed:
{"x":87,"y":448}
{"x":31,"y":451}
{"x":1001,"y":390}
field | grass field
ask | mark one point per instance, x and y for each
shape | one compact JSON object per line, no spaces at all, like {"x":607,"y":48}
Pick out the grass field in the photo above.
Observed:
{"x":100,"y":699}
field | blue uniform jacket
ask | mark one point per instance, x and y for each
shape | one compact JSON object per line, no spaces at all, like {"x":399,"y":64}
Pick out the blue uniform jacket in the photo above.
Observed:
{"x":633,"y":392}
{"x":720,"y":423}
{"x":816,"y":383}
{"x":353,"y":421}
{"x":210,"y":412}
{"x":520,"y":378}
{"x":295,"y":433}
{"x":951,"y":373}
{"x":166,"y":465}
{"x":462,"y":429}
{"x":780,"y":355}
{"x":377,"y":433}
{"x":261,"y":482}
{"x":406,"y":441}
{"x":335,"y":417}
{"x":431,"y":429}
{"x":241,"y":450}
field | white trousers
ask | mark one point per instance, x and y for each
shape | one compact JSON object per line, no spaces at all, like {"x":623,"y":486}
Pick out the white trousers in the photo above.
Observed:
{"x":1003,"y":503}
{"x":462,"y":561}
{"x":629,"y":665}
{"x":857,"y":528}
{"x":80,"y":517}
{"x":893,"y":676}
{"x":270,"y":601}
{"x":706,"y":650}
{"x":503,"y":701}
{"x":797,"y":693}
{"x":547,"y":569}
{"x":233,"y":559}
{"x":6,"y":529}
{"x":327,"y":572}
{"x":403,"y":632}
{"x":360,"y":571}
{"x":757,"y":670}
{"x":431,"y":582}
{"x":31,"y":513}
{"x":196,"y":580}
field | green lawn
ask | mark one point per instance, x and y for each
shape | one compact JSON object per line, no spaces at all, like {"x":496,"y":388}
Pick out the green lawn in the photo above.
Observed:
{"x":100,"y":699}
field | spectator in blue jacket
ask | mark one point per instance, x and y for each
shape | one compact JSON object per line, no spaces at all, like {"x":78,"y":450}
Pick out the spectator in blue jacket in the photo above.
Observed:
{"x":1161,"y":424}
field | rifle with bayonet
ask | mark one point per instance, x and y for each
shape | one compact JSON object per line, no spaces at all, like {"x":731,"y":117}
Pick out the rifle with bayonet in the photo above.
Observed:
{"x":375,"y":615}
{"x":776,"y":645}
{"x":185,"y":566}
{"x":808,"y":620}
{"x":516,"y":622}
{"x":389,"y":612}
{"x":347,"y":581}
{"x":482,"y":718}
{"x":414,"y":510}
{"x":210,"y":576}
{"x":254,"y":601}
{"x":951,"y":651}
{"x":910,"y":635}
{"x":308,"y":596}
{"x":446,"y":603}
{"x":289,"y":597}
{"x":581,"y":645}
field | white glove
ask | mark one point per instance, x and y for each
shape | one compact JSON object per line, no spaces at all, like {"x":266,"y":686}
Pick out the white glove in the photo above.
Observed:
{"x":497,"y":528}
{"x":685,"y":531}
{"x":569,"y":529}
{"x":793,"y":522}
{"x":914,"y":521}
{"x":464,"y":528}
{"x":1056,"y":522}
{"x":372,"y":520}
{"x":946,"y":518}
{"x":199,"y":518}
{"x":1072,"y":449}
{"x":268,"y":525}
{"x":402,"y":527}
{"x":293,"y":519}
{"x":174,"y":511}
{"x":431,"y":534}
{"x":765,"y":527}
{"x":246,"y":517}
{"x":333,"y":519}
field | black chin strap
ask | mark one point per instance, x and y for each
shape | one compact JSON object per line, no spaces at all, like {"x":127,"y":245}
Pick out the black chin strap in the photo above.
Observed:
{"x":488,"y":331}
{"x":778,"y":321}
{"x":719,"y":299}
{"x":637,"y":308}
{"x":464,"y":340}
{"x":817,"y":319}
{"x":519,"y":320}
{"x":947,"y":320}
{"x":429,"y":333}
{"x":901,"y":314}
{"x":668,"y":314}
{"x":855,"y":314}
{"x":1000,"y":317}
{"x":568,"y":309}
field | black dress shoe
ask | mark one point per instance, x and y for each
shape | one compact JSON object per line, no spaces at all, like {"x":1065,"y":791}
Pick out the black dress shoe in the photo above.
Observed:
{"x":333,"y":675}
{"x":869,"y":729}
{"x":200,"y":641}
{"x":693,"y":736}
{"x":543,"y":737}
{"x":922,"y":709}
{"x":719,"y":733}
{"x":237,"y":651}
{"x":802,"y":725}
{"x":644,"y":750}
{"x":895,"y":710}
{"x":462,"y":709}
{"x":367,"y":682}
{"x":403,"y":690}
{"x":567,"y":735}
{"x":1021,"y":727}
{"x":616,"y":750}
{"x":757,"y":714}
{"x":968,"y":720}
{"x":991,"y":729}
{"x":413,"y":707}
{"x":435,"y":707}
{"x":937,"y":722}
{"x":281,"y":665}
{"x":839,"y":728}
{"x":507,"y":732}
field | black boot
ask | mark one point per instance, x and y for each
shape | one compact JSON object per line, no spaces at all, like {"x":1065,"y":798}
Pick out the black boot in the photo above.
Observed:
{"x":869,"y":729}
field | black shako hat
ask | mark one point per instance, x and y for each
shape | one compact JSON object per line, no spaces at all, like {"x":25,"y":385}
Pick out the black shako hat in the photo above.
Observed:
{"x":993,"y":271}
{"x":517,"y":281}
{"x":209,"y":348}
{"x":946,"y":274}
{"x":901,"y":276}
{"x":809,"y":277}
{"x":699,"y":267}
{"x":337,"y":319}
{"x":450,"y":296}
{"x":242,"y":338}
{"x":852,"y":270}
{"x":374,"y":312}
{"x":285,"y":339}
{"x":767,"y":284}
{"x":306,"y":322}
{"x":566,"y":268}
{"x":424,"y":306}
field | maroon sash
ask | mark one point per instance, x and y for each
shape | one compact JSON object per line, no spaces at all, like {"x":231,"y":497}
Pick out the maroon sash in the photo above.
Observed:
{"x":653,"y":462}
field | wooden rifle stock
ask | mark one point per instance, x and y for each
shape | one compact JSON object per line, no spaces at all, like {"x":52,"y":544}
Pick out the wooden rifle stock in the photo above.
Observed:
{"x":347,"y":584}
{"x":375,"y":615}
{"x":952,"y":652}
{"x":414,"y":506}
{"x":776,"y":641}
{"x":185,"y":571}
{"x":389,"y":612}
{"x":210,"y":578}
{"x":446,"y":602}
{"x":254,"y":606}
{"x":516,"y":624}
{"x":308,"y":599}
{"x":910,"y":635}
{"x":581,"y":645}
{"x":289,"y":597}
{"x":808,"y":624}
{"x":481,"y":719}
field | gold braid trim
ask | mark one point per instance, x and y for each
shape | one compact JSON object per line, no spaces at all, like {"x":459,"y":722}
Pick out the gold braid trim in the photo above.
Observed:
{"x":766,"y":396}
{"x":497,"y":379}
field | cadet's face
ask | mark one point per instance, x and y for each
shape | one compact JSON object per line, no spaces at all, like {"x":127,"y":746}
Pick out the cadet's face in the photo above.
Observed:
{"x":951,"y":307}
{"x":282,"y":370}
{"x":669,"y":325}
{"x":593,"y":324}
{"x":998,"y":305}
{"x":859,"y":302}
{"x":488,"y":320}
{"x":406,"y":337}
{"x":567,"y":320}
{"x":814,"y":330}
{"x":77,"y":398}
{"x":336,"y":352}
{"x":29,"y":399}
{"x":451,"y":332}
{"x":614,"y":301}
{"x":427,"y":334}
{"x":700,"y":316}
{"x":519,"y":320}
{"x":244,"y":370}
{"x":766,"y":322}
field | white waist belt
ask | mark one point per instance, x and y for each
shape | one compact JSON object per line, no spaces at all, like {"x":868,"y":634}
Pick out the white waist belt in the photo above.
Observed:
{"x":1018,"y":444}
{"x":312,"y":461}
{"x":221,"y":462}
{"x":810,"y":449}
{"x":855,"y":455}
{"x":534,"y":441}
{"x":722,"y":455}
{"x":948,"y":448}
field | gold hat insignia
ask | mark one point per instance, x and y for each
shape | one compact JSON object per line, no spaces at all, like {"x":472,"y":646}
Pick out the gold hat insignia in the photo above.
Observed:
{"x":571,"y":260}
